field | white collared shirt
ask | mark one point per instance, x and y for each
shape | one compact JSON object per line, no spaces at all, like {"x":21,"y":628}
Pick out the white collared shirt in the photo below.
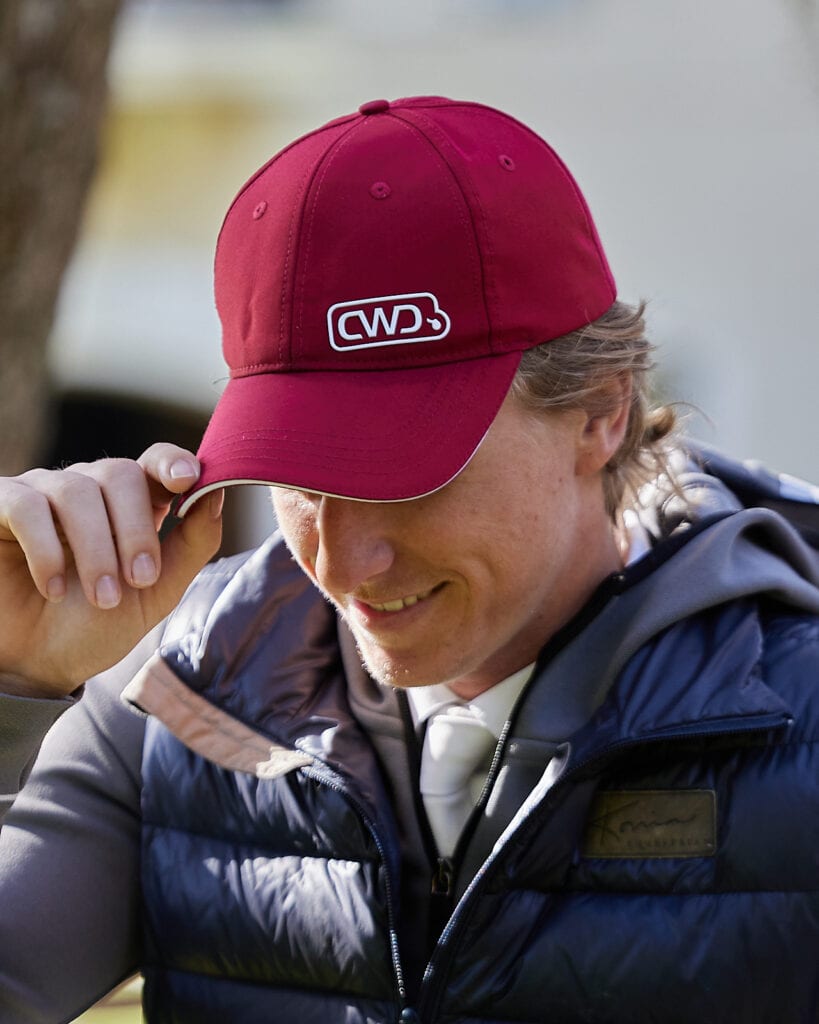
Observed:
{"x":492,"y":707}
{"x":448,"y":811}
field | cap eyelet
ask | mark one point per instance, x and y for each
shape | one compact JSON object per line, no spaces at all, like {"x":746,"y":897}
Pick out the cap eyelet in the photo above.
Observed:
{"x":259,"y":210}
{"x":506,"y":162}
{"x":380,"y":190}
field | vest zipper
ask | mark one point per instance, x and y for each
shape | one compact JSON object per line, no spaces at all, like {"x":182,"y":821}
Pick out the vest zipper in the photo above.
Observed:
{"x":443,"y":877}
{"x":443,"y":870}
{"x":441,"y":900}
{"x":405,"y":1012}
{"x":435,"y":976}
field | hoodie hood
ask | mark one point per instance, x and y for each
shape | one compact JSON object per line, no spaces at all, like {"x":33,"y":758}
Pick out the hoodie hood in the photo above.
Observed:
{"x":723,"y":531}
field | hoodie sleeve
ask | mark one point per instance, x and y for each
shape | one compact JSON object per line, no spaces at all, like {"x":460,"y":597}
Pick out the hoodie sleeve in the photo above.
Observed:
{"x":69,"y":850}
{"x":23,"y":724}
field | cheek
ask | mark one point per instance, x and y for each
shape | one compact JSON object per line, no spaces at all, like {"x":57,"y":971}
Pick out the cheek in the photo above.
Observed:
{"x":297,"y":520}
{"x":534,"y":541}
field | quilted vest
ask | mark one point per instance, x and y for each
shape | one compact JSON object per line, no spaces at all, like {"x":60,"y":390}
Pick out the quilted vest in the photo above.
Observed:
{"x":662,"y":864}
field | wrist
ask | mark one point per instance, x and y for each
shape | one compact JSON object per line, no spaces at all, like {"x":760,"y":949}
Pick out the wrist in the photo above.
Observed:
{"x":13,"y":685}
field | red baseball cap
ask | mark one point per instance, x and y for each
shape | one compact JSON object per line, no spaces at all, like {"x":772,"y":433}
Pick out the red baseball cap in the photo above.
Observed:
{"x":377,"y":282}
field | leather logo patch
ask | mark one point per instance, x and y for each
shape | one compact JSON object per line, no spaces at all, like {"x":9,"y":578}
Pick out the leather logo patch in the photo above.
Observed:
{"x":651,"y":823}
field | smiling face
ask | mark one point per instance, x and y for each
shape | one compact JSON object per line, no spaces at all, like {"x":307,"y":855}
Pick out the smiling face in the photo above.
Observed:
{"x":465,"y":585}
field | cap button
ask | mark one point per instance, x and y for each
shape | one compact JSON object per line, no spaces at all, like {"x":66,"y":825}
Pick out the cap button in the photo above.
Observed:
{"x":374,"y":107}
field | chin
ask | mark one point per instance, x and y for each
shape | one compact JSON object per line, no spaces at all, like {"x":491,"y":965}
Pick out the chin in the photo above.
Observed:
{"x":389,"y":672}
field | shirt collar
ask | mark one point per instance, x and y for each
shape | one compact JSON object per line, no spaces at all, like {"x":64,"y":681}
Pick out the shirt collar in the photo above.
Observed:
{"x":492,"y":707}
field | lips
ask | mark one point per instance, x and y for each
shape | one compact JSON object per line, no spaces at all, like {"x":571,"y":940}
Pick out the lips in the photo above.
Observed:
{"x":398,"y":604}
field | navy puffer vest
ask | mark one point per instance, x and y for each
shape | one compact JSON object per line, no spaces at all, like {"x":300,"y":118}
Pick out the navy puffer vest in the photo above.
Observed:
{"x":664,"y":868}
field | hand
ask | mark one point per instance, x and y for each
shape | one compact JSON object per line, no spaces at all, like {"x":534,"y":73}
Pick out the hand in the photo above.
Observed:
{"x":83,"y":576}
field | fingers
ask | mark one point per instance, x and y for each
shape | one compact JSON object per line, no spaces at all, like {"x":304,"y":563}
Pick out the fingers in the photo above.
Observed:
{"x":186,"y":549}
{"x":101,"y":518}
{"x":27,"y":519}
{"x":169,"y":470}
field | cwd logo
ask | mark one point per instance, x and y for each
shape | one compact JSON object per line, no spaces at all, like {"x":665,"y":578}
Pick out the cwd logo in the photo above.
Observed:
{"x":386,"y":320}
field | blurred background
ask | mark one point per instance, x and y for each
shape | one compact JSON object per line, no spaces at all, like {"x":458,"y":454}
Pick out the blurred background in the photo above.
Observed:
{"x":128,"y":125}
{"x":692,"y":129}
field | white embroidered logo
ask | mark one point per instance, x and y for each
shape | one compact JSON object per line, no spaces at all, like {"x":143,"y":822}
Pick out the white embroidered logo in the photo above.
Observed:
{"x":386,"y":320}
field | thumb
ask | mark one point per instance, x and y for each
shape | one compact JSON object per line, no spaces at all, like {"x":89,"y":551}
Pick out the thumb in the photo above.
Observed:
{"x":188,"y":547}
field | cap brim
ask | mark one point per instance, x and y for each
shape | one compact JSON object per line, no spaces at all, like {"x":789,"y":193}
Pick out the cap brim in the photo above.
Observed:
{"x":378,"y":435}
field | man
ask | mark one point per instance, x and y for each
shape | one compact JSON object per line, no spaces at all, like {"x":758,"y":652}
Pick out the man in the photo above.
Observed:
{"x":529,"y":750}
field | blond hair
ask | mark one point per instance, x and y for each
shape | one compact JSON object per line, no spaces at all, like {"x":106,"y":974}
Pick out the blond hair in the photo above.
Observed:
{"x":578,"y":370}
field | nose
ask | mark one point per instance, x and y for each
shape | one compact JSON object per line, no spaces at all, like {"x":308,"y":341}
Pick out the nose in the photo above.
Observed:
{"x":353,"y":544}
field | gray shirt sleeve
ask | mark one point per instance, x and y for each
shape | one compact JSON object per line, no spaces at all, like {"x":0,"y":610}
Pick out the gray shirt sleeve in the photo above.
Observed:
{"x":69,"y":850}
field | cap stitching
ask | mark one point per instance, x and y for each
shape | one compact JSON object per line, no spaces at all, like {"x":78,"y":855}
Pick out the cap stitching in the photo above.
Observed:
{"x":300,"y":214}
{"x":435,"y":401}
{"x":567,"y":174}
{"x":254,"y":369}
{"x":461,"y":187}
{"x":475,"y":109}
{"x":494,"y":310}
{"x":321,"y":173}
{"x":331,"y":458}
{"x":431,"y":128}
{"x":328,"y":456}
{"x":288,"y":271}
{"x":233,"y":212}
{"x":399,"y":358}
{"x":429,"y":414}
{"x":276,"y":156}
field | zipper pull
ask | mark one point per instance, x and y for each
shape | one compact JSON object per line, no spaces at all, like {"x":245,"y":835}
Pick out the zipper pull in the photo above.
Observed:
{"x":441,"y":900}
{"x":443,"y":877}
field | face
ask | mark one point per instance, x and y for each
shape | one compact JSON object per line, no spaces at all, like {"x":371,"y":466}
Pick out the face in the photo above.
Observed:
{"x":465,"y":585}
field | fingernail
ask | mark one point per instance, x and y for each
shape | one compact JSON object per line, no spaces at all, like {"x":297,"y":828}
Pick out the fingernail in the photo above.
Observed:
{"x":55,"y":588}
{"x":143,"y":570}
{"x":215,"y":503}
{"x":106,"y":592}
{"x":182,"y":468}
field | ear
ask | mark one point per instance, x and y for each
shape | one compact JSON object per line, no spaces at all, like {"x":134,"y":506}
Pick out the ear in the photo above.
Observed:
{"x":602,"y":435}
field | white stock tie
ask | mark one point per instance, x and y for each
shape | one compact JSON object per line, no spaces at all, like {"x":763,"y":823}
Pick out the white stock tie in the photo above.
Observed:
{"x":454,"y":762}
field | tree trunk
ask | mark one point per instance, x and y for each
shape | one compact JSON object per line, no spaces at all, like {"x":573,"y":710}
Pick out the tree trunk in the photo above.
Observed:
{"x":53,"y":57}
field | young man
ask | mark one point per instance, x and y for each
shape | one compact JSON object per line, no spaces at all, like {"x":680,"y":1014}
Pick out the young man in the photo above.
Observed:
{"x":478,"y":736}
